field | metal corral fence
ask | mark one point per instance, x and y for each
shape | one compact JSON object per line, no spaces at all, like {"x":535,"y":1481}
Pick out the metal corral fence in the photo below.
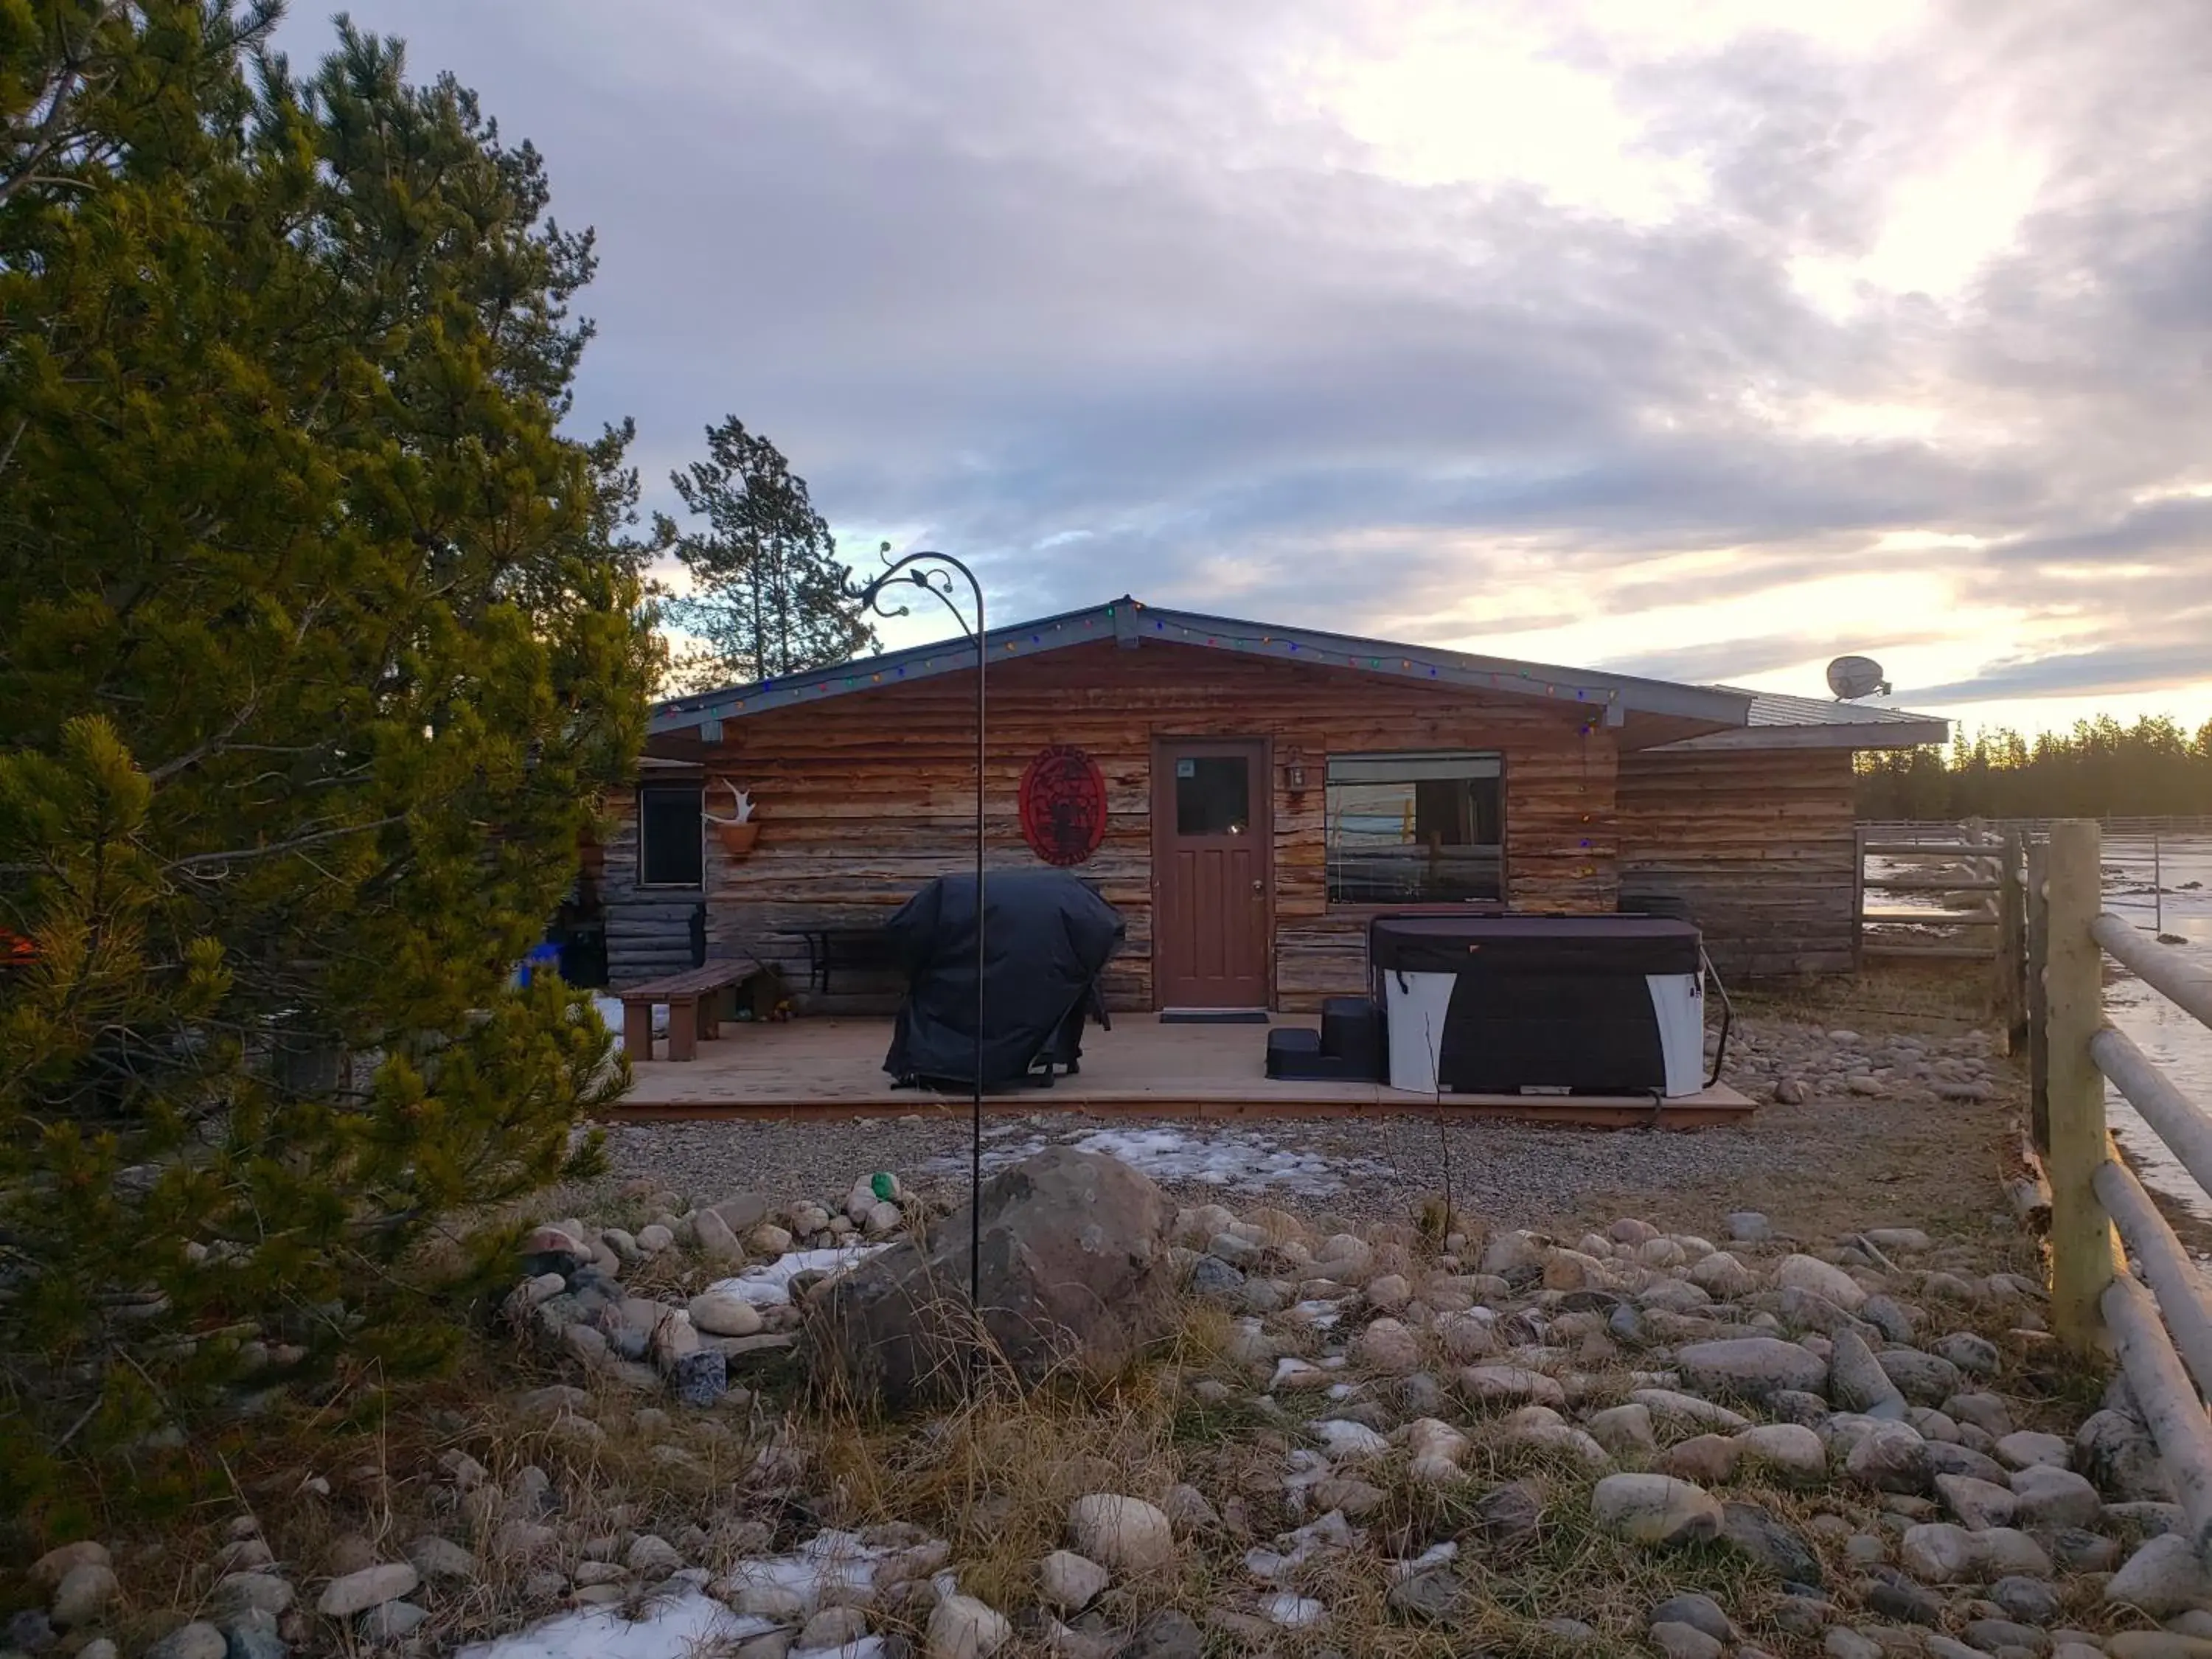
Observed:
{"x":2140,"y":1294}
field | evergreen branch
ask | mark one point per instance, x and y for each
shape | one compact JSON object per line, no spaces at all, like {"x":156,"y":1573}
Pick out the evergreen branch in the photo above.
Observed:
{"x":277,"y":848}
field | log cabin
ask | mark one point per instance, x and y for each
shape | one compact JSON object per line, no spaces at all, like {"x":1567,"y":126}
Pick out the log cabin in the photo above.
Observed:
{"x":1248,"y":795}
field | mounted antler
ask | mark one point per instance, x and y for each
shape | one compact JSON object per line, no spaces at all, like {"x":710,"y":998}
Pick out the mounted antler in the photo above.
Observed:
{"x":743,"y":801}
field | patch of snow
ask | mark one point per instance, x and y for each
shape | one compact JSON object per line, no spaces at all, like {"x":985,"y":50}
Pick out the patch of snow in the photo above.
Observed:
{"x":1293,"y":1612}
{"x":1241,"y":1160}
{"x":1348,"y":1439}
{"x":610,"y":1014}
{"x":1321,"y":1315}
{"x":1435,"y":1556}
{"x":677,"y":1628}
{"x":768,"y":1284}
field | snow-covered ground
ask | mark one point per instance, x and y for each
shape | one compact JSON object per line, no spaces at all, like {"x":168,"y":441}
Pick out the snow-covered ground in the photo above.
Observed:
{"x":1236,"y":1160}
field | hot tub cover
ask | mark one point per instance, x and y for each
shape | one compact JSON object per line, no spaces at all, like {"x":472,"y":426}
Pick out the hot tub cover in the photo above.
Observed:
{"x":1048,"y":937}
{"x":1425,"y":942}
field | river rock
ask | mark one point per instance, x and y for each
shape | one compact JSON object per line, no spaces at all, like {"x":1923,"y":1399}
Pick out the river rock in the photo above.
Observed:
{"x":1938,"y":1552}
{"x":1750,"y":1367}
{"x":1623,"y":1428}
{"x":357,"y":1592}
{"x":2116,"y":1450}
{"x":1791,"y":1450}
{"x":1677,"y":1641}
{"x":1977,"y":1505}
{"x":1075,"y":1270}
{"x":83,"y":1595}
{"x":197,"y":1640}
{"x":2028,"y":1449}
{"x":1806,"y":1273}
{"x":1123,"y":1534}
{"x":1858,"y":1382}
{"x":1070,"y":1582}
{"x":1891,"y":1458}
{"x":962,"y":1627}
{"x":1654,"y":1509}
{"x":54,"y":1565}
{"x":1765,"y":1539}
{"x":2055,"y":1498}
{"x":1500,"y":1385}
{"x":1926,"y":1379}
{"x":1387,"y":1347}
{"x":722,"y":1313}
{"x":1976,"y":1356}
{"x":2162,"y":1578}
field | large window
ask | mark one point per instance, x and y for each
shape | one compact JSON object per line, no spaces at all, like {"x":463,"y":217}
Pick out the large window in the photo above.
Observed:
{"x":671,"y":837}
{"x":1425,"y":826}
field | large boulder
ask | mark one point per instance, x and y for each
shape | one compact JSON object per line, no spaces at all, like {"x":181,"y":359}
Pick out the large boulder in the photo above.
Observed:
{"x":1075,"y":1271}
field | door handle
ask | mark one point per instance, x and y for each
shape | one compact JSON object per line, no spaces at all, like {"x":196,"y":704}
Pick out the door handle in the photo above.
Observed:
{"x":1257,"y":888}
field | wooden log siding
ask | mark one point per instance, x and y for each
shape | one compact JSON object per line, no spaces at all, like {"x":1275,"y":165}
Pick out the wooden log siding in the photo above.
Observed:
{"x":648,"y":928}
{"x":864,"y":797}
{"x":1759,"y":843}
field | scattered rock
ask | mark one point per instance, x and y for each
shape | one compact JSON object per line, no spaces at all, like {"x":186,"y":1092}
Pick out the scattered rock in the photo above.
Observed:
{"x":1070,"y":1582}
{"x":55,"y":1564}
{"x":1428,"y":1598}
{"x":961,"y":1627}
{"x":2049,"y":1497}
{"x":1655,"y":1508}
{"x":1075,"y":1269}
{"x":1698,"y":1612}
{"x":1751,"y":1367}
{"x":1788,"y":1449}
{"x":357,"y":1592}
{"x":1858,"y":1383}
{"x":197,"y":1640}
{"x":1771,"y":1543}
{"x":2162,"y":1578}
{"x":1891,"y":1458}
{"x":1125,"y":1534}
{"x":719,"y":1313}
{"x":1685,"y":1641}
{"x":83,"y":1595}
{"x":1977,"y":1505}
{"x":1387,"y":1346}
{"x":1167,"y":1634}
{"x":1806,"y":1273}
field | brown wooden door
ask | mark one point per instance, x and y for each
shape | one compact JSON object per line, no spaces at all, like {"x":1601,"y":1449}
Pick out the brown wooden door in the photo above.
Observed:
{"x":1213,"y":873}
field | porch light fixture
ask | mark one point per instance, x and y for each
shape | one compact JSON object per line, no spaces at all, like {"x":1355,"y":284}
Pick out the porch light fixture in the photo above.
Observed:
{"x":931,"y":574}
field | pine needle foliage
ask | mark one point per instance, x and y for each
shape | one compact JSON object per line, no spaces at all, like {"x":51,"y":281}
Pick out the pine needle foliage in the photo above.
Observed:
{"x":319,"y":641}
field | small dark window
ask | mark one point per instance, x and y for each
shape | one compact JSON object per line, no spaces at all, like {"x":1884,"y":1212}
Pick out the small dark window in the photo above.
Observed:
{"x":1213,"y":795}
{"x":1415,"y":827}
{"x":670,"y":838}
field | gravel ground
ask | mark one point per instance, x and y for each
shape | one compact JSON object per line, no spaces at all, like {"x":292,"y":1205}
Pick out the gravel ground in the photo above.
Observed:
{"x":1883,"y":1145}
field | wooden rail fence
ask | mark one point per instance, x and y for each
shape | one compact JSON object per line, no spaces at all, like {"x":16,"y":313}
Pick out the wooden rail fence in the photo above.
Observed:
{"x":2119,"y":1278}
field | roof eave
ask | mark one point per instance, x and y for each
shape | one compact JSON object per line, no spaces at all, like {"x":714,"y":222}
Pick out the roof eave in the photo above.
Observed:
{"x":1885,"y":734}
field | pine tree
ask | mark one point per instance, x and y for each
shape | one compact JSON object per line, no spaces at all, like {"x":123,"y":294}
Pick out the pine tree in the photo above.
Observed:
{"x":768,"y":595}
{"x":318,"y":645}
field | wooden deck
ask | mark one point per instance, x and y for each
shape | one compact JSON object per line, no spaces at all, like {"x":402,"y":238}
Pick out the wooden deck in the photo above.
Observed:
{"x":834,"y":1068}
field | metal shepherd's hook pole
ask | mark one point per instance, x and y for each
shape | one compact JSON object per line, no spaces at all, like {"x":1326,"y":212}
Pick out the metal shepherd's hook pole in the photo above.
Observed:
{"x":927,"y":571}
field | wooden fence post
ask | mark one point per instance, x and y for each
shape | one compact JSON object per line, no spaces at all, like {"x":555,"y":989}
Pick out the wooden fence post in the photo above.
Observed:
{"x":2039,"y":1012}
{"x":1858,"y":896}
{"x":2012,"y":946}
{"x":2081,"y":1245}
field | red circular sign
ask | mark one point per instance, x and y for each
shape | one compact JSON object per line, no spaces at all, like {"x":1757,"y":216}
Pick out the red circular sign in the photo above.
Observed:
{"x":1063,"y":804}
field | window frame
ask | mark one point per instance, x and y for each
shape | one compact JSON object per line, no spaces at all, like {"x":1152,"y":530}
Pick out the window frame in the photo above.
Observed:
{"x":699,"y":790}
{"x":1336,"y":907}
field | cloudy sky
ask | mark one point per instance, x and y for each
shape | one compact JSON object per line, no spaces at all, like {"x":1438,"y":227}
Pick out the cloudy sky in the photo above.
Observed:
{"x":1706,"y":338}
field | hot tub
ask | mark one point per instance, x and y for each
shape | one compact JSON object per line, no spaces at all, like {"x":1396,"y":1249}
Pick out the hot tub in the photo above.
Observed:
{"x":1514,"y":1005}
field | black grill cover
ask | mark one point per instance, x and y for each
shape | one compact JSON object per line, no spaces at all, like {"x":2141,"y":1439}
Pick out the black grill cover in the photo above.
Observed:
{"x":1426,"y":944}
{"x":1048,"y":937}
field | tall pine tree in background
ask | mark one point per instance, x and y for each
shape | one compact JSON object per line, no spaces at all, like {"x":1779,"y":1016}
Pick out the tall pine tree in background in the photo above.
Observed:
{"x":768,"y":595}
{"x":317,"y":643}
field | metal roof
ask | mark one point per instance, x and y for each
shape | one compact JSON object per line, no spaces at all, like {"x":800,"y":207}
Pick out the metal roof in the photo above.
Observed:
{"x":1779,"y":720}
{"x":1132,"y":623}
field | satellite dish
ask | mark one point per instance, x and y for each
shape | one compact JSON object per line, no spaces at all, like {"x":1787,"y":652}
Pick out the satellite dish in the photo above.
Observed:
{"x":1853,"y":678}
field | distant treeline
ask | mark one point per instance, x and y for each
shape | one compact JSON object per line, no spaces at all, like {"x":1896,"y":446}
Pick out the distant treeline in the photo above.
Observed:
{"x":2155,"y":768}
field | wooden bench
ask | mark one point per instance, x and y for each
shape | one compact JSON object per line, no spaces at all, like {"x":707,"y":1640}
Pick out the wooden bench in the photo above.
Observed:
{"x":852,"y":950}
{"x":694,"y":999}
